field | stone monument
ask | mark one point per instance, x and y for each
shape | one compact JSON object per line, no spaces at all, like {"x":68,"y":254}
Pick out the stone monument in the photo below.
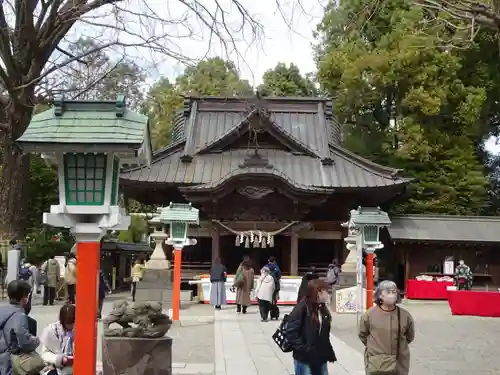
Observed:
{"x":156,"y":284}
{"x":347,"y":277}
{"x":141,"y":349}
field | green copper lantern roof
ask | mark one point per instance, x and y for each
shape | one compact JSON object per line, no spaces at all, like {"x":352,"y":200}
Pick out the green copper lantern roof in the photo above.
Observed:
{"x":179,"y":212}
{"x":87,"y":125}
{"x":370,"y":216}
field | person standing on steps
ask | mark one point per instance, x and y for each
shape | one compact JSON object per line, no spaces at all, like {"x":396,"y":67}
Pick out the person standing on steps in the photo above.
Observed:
{"x":104,"y":288}
{"x":52,"y":272}
{"x":276,"y":274}
{"x":386,"y":330}
{"x":218,"y":275}
{"x":70,"y":278}
{"x":265,"y":292}
{"x":137,"y":274}
{"x":14,"y":325}
{"x":308,"y":331}
{"x":243,"y":283}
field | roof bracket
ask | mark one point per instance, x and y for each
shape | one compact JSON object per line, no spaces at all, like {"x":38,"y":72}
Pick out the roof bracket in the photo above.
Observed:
{"x":327,"y":161}
{"x":257,"y":161}
{"x":186,"y":158}
{"x":59,"y":106}
{"x":120,"y":106}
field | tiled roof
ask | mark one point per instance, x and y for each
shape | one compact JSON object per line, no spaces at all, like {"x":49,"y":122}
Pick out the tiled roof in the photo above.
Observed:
{"x":308,"y":121}
{"x":347,"y":171}
{"x":422,"y":228}
{"x":203,"y":152}
{"x":87,"y":122}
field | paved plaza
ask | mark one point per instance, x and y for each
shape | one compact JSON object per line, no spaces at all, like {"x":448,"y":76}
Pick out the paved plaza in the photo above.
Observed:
{"x":222,"y":343}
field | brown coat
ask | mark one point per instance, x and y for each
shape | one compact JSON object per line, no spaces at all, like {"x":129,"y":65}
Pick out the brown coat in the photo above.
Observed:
{"x":378,"y":331}
{"x":243,"y":293}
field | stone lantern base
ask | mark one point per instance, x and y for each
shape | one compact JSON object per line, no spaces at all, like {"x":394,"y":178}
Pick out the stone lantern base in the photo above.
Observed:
{"x":156,"y":285}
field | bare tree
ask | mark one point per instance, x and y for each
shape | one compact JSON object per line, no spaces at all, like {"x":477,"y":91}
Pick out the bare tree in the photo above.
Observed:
{"x":35,"y":36}
{"x":475,"y":13}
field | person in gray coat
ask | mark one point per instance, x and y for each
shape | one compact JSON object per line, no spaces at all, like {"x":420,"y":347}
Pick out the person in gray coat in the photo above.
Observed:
{"x":14,"y":327}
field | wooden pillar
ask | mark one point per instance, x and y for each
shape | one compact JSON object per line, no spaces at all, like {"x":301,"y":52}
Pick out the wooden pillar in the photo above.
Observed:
{"x":407,"y":264}
{"x":294,"y":254}
{"x":215,"y":242}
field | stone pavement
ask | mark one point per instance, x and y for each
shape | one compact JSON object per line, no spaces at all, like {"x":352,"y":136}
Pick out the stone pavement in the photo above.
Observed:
{"x":223,"y":343}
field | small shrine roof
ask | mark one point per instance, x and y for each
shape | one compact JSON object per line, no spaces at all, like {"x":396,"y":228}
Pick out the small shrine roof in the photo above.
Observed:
{"x":90,"y":123}
{"x":445,"y":228}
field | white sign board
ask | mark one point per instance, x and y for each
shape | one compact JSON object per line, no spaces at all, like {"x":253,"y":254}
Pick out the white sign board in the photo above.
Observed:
{"x":449,"y":267}
{"x":347,"y":301}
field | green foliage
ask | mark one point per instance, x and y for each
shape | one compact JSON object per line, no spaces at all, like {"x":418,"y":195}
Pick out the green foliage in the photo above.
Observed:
{"x":43,"y":190}
{"x":211,"y":77}
{"x":138,"y":228}
{"x":407,"y":102}
{"x":41,"y":244}
{"x":286,"y":80}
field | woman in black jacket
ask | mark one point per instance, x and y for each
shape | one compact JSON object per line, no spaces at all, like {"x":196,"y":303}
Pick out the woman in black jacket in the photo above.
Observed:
{"x":308,"y":331}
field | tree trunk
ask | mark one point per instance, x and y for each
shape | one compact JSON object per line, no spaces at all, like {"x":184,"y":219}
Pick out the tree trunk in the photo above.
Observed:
{"x":14,"y":174}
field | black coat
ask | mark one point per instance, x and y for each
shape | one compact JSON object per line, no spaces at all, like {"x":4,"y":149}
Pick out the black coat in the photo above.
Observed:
{"x":303,"y":284}
{"x":310,"y":344}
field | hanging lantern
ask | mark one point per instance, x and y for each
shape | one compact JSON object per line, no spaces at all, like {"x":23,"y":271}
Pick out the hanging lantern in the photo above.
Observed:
{"x":271,"y":243}
{"x":256,"y":242}
{"x":247,"y":242}
{"x":237,"y":241}
{"x":263,"y":244}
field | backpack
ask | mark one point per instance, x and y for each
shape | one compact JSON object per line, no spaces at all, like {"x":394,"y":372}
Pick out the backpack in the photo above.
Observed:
{"x":332,"y":276}
{"x":275,"y":278}
{"x":25,"y":273}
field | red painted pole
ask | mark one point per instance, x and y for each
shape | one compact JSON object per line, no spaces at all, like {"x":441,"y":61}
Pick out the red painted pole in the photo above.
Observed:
{"x":86,"y":309}
{"x":176,"y":295}
{"x":369,"y":280}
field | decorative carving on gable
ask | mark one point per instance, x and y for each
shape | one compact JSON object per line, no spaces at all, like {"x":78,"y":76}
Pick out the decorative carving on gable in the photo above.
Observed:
{"x":256,"y":160}
{"x":255,"y":192}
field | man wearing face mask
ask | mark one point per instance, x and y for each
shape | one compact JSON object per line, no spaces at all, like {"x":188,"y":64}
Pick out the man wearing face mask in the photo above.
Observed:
{"x":386,"y":330}
{"x":463,"y":276}
{"x":14,"y":324}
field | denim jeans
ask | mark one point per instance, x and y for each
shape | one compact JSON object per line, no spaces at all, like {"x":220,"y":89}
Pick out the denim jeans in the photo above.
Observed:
{"x":304,"y":369}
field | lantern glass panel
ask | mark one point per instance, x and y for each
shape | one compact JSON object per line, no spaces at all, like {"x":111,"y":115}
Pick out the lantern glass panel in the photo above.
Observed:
{"x":370,"y":234}
{"x":85,"y":179}
{"x":178,"y":231}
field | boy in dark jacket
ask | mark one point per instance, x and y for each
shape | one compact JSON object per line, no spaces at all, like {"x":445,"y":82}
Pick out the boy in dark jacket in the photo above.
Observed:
{"x":104,"y":288}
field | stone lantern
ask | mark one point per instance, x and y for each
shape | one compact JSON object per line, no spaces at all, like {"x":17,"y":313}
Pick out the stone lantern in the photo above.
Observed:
{"x":364,"y":235}
{"x":178,"y":216}
{"x":88,"y":141}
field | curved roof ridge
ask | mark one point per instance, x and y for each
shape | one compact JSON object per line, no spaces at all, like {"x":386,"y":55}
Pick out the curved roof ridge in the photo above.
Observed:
{"x":158,"y":155}
{"x":259,"y":170}
{"x":366,"y":164}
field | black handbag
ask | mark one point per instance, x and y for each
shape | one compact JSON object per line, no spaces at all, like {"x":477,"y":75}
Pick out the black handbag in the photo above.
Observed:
{"x":279,"y":337}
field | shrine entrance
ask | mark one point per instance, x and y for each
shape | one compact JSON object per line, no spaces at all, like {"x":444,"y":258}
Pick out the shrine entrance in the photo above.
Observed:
{"x":232,"y":255}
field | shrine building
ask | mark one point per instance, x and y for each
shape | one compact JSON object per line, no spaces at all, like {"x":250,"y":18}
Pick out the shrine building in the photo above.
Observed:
{"x":275,"y":168}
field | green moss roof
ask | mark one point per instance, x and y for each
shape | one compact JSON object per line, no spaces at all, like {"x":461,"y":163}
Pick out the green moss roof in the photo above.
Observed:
{"x":87,"y":122}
